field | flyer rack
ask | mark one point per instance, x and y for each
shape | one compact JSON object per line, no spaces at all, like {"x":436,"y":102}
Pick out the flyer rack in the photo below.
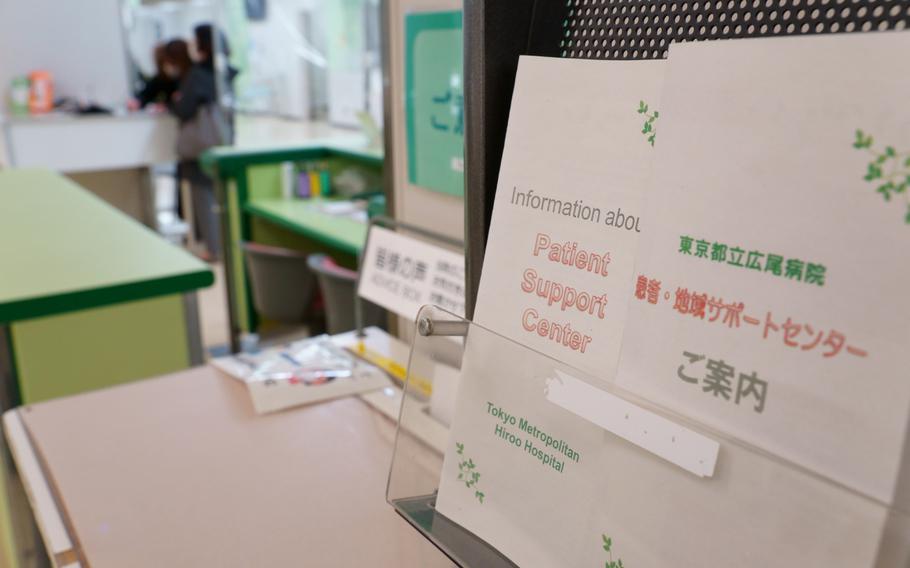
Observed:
{"x":416,"y":467}
{"x":832,"y":517}
{"x":497,"y":32}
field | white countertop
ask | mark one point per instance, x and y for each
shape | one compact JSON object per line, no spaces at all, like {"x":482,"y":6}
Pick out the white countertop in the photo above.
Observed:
{"x":68,"y":117}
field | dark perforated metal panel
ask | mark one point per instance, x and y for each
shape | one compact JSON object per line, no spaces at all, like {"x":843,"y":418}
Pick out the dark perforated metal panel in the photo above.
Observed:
{"x":497,"y":32}
{"x":643,"y":29}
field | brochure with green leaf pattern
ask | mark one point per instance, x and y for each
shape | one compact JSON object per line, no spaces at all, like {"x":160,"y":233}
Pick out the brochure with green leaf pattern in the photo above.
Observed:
{"x":766,"y":304}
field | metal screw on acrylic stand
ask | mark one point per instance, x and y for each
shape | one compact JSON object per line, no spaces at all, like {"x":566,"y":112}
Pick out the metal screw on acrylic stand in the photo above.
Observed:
{"x":427,"y":327}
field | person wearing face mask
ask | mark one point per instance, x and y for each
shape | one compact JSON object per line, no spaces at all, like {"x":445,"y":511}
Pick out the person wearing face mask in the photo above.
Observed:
{"x":157,"y":89}
{"x":203,"y":124}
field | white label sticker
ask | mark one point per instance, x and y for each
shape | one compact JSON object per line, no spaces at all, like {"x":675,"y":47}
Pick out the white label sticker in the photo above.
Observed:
{"x":662,"y":437}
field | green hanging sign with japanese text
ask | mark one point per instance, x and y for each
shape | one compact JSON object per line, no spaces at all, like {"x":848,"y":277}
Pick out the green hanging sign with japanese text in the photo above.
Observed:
{"x":434,"y":101}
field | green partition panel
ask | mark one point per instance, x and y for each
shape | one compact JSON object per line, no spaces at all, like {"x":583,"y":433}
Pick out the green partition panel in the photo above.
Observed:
{"x":434,"y":100}
{"x":264,"y":181}
{"x":89,"y":349}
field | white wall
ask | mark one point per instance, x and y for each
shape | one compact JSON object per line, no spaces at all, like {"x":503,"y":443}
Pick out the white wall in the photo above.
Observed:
{"x":79,"y":41}
{"x":158,"y":23}
{"x":279,"y":71}
{"x":279,"y":68}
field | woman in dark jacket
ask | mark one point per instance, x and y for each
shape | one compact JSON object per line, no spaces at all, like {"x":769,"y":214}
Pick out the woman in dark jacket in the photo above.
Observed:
{"x":196,"y":91}
{"x":156,"y":89}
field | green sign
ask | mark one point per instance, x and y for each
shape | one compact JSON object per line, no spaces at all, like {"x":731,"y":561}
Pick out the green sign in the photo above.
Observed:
{"x":434,"y":101}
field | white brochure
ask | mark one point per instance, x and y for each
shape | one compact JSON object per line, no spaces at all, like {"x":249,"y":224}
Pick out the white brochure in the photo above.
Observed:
{"x":766,"y":303}
{"x":771,"y":288}
{"x":558,"y":268}
{"x":552,"y":470}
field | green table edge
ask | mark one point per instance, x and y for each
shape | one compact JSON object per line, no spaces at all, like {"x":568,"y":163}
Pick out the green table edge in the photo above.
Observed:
{"x":76,"y":300}
{"x":228,"y":161}
{"x":253,"y":209}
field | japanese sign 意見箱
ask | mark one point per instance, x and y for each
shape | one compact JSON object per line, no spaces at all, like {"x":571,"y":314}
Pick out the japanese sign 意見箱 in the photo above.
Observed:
{"x":402,"y":274}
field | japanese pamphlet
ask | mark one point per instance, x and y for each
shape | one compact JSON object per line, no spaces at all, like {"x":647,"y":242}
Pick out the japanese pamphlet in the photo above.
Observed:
{"x":770,"y":298}
{"x":530,"y":471}
{"x":763,"y":293}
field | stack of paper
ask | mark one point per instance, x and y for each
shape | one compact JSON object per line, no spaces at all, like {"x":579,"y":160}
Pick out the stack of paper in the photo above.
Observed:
{"x":301,"y":372}
{"x":722,"y":235}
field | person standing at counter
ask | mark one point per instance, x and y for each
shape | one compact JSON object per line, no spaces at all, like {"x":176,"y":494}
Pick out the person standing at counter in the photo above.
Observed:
{"x":205,"y":47}
{"x":203,"y":123}
{"x":158,"y":89}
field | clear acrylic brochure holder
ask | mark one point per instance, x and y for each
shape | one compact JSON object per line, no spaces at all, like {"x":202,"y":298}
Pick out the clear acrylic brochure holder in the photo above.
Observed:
{"x":813,"y":518}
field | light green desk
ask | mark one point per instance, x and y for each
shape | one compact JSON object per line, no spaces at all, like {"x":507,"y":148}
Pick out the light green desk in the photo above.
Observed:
{"x":302,"y":217}
{"x":88,"y":297}
{"x":249,"y":188}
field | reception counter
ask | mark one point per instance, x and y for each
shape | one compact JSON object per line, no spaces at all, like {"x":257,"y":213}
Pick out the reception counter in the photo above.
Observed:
{"x":88,"y":291}
{"x":110,"y":155}
{"x":88,"y":297}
